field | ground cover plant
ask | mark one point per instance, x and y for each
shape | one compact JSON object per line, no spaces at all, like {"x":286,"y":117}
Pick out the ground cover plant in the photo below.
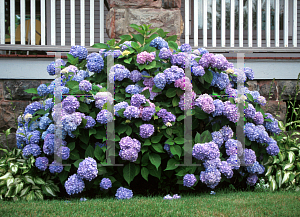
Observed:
{"x":152,"y":95}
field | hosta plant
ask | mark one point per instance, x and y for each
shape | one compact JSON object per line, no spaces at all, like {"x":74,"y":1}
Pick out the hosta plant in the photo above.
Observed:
{"x":19,"y":180}
{"x":152,"y":96}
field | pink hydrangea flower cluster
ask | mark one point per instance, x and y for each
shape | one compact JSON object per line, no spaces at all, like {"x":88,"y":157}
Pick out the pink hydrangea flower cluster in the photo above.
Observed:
{"x":145,"y":56}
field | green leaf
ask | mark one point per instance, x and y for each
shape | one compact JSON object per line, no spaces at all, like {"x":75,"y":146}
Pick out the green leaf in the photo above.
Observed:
{"x":30,"y":196}
{"x":74,"y":155}
{"x":250,"y":97}
{"x":171,"y":38}
{"x":67,"y":168}
{"x":156,"y":139}
{"x":121,"y":129}
{"x":208,"y":77}
{"x":231,"y":100}
{"x":83,"y":108}
{"x":175,"y":150}
{"x":98,"y":153}
{"x":151,"y":65}
{"x":39,"y":195}
{"x":153,"y":171}
{"x":180,"y":117}
{"x":129,"y":172}
{"x":205,"y":137}
{"x":25,"y":191}
{"x":139,"y":38}
{"x":158,"y":147}
{"x":76,"y":163}
{"x":291,"y":156}
{"x":129,"y":131}
{"x":128,"y":60}
{"x":171,"y":164}
{"x":269,"y":170}
{"x":179,"y":140}
{"x":156,"y":89}
{"x":63,"y":176}
{"x":146,"y":93}
{"x":286,"y":176}
{"x":171,"y":92}
{"x":135,"y":45}
{"x":279,"y":178}
{"x":29,"y":179}
{"x":288,"y":167}
{"x":89,"y":152}
{"x":145,"y":173}
{"x":31,"y":90}
{"x":173,"y":45}
{"x":137,"y":28}
{"x":155,"y":160}
{"x":273,"y":184}
{"x":39,"y":181}
{"x":49,"y":190}
{"x":92,"y":131}
{"x":100,"y":46}
{"x":169,"y":131}
{"x":198,"y":138}
{"x":84,"y":137}
{"x":175,"y":101}
{"x":72,"y":59}
{"x":147,"y":142}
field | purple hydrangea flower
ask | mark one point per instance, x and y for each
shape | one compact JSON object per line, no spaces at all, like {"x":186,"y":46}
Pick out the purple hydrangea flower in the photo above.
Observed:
{"x":105,"y":183}
{"x":159,"y":43}
{"x":42,"y":90}
{"x":167,"y":148}
{"x":137,"y":100}
{"x":119,"y":106}
{"x":234,"y":162}
{"x":178,"y":59}
{"x":146,"y":130}
{"x":189,"y":180}
{"x":220,"y":62}
{"x":95,"y":62}
{"x":273,"y":148}
{"x":74,"y":185}
{"x":211,"y":177}
{"x":251,"y":131}
{"x":226,"y":132}
{"x":78,"y":51}
{"x":207,"y":60}
{"x":118,"y":72}
{"x":252,"y":179}
{"x":249,"y":73}
{"x":250,"y":111}
{"x":185,"y":48}
{"x":104,"y":116}
{"x":87,"y":169}
{"x":56,"y":167}
{"x":215,"y":163}
{"x":27,"y":150}
{"x":258,"y":118}
{"x":160,"y":80}
{"x":131,"y":112}
{"x":125,"y":45}
{"x":48,"y":147}
{"x":135,"y":76}
{"x":32,"y":108}
{"x":70,"y":104}
{"x":90,"y":122}
{"x":133,"y":89}
{"x":123,"y":193}
{"x":255,"y":168}
{"x":130,"y":154}
{"x":176,"y":196}
{"x":51,"y":66}
{"x":261,"y":100}
{"x":272,"y":126}
{"x":64,"y":153}
{"x":168,"y":197}
{"x":231,"y":111}
{"x":262,"y":136}
{"x":219,"y":108}
{"x":49,"y":104}
{"x":205,"y":102}
{"x":85,"y":86}
{"x":41,"y":163}
{"x":217,"y":137}
{"x":206,"y":151}
{"x":165,"y":53}
{"x":166,"y":116}
{"x":147,"y":113}
{"x":198,"y":70}
{"x":226,"y":169}
{"x":250,"y":157}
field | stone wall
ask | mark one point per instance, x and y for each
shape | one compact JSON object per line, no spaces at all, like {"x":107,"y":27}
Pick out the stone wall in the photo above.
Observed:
{"x":165,"y":15}
{"x":21,"y":99}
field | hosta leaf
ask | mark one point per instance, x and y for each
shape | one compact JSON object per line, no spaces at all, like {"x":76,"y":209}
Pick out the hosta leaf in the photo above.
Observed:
{"x":49,"y":190}
{"x":25,"y":190}
{"x":11,"y":191}
{"x":39,"y":194}
{"x":269,"y":170}
{"x":145,"y":173}
{"x":288,"y":167}
{"x":291,"y":156}
{"x":279,"y":177}
{"x":39,"y":181}
{"x":19,"y":187}
{"x":30,"y":196}
{"x":9,"y":181}
{"x":13,"y":167}
{"x":155,"y":160}
{"x":8,"y":174}
{"x":281,"y":156}
{"x":286,"y":176}
{"x":273,"y":185}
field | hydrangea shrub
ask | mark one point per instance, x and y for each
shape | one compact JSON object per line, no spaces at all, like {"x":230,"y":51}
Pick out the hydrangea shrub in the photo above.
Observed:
{"x":152,"y":93}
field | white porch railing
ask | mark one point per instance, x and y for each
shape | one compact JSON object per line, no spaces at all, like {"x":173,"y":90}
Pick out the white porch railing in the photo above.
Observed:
{"x":26,"y":37}
{"x":289,"y":24}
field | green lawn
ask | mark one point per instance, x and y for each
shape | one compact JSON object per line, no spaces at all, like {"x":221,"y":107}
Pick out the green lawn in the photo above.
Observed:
{"x":221,"y":204}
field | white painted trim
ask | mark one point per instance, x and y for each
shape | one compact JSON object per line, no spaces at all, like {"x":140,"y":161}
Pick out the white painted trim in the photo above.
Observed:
{"x":186,"y":21}
{"x":32,"y":21}
{"x":285,"y":21}
{"x":43,"y":21}
{"x":268,"y":24}
{"x":53,"y":20}
{"x":277,"y":23}
{"x":2,"y":22}
{"x":258,"y":23}
{"x":12,"y":22}
{"x":196,"y":23}
{"x":102,"y":21}
{"x":232,"y":21}
{"x":82,"y":22}
{"x":250,"y":23}
{"x":72,"y":14}
{"x":295,"y":24}
{"x":92,"y":12}
{"x":204,"y":23}
{"x":223,"y":27}
{"x":22,"y":21}
{"x":63,"y":22}
{"x":241,"y":23}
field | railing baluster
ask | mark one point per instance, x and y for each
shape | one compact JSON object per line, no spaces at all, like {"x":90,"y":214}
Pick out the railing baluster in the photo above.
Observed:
{"x":223,"y":28}
{"x":241,"y":23}
{"x":232,"y":4}
{"x":72,"y":22}
{"x":249,"y":23}
{"x":101,"y":21}
{"x":63,"y":22}
{"x":285,"y":26}
{"x":186,"y":22}
{"x":204,"y":23}
{"x":258,"y":23}
{"x":277,"y":23}
{"x":43,"y":18}
{"x":295,"y":23}
{"x":214,"y":23}
{"x":12,"y":22}
{"x":53,"y":20}
{"x":195,"y":23}
{"x":32,"y":21}
{"x":91,"y":22}
{"x":2,"y":22}
{"x":82,"y":22}
{"x":268,"y":23}
{"x":22,"y":21}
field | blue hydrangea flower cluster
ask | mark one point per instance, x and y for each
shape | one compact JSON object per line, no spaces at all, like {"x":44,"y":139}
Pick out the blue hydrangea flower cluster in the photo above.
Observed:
{"x":105,"y":183}
{"x":133,"y":89}
{"x":90,"y":122}
{"x":95,"y":62}
{"x":35,"y":137}
{"x":147,"y":113}
{"x":42,"y":90}
{"x":167,"y":148}
{"x":79,"y":51}
{"x":41,"y":163}
{"x":51,"y":66}
{"x":166,"y":116}
{"x":115,"y":53}
{"x":129,"y":148}
{"x":252,"y":179}
{"x":273,"y":148}
{"x":159,"y":43}
{"x":44,"y":122}
{"x":227,"y":133}
{"x":48,"y":147}
{"x":185,"y":48}
{"x":261,"y":100}
{"x":256,"y":168}
{"x":137,"y":100}
{"x":200,"y":51}
{"x":178,"y":59}
{"x":198,"y":70}
{"x":123,"y":193}
{"x":220,"y":62}
{"x":104,"y":116}
{"x":165,"y":53}
{"x":250,"y":111}
{"x":272,"y":126}
{"x":206,"y":103}
{"x":216,"y":163}
{"x":131,"y":112}
{"x":189,"y":180}
{"x":217,"y":138}
{"x":85,"y":85}
{"x":70,"y":104}
{"x":120,"y":105}
{"x":64,"y":153}
{"x":258,"y":118}
{"x":207,"y":60}
{"x":32,"y":108}
{"x":206,"y":151}
{"x":87,"y":169}
{"x":74,"y":185}
{"x":219,"y":108}
{"x":250,"y":156}
{"x":118,"y":72}
{"x":226,"y":169}
{"x":125,"y":45}
{"x":231,"y":111}
{"x":211,"y":177}
{"x":135,"y":76}
{"x":249,"y":73}
{"x":251,"y":131}
{"x":56,"y":167}
{"x":101,"y":98}
{"x":146,"y":130}
{"x":160,"y":80}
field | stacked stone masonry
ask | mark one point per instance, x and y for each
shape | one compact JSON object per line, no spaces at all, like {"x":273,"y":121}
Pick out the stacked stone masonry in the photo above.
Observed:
{"x":21,"y":99}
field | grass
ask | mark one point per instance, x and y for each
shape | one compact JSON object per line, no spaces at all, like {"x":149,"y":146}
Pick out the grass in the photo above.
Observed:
{"x":223,"y":203}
